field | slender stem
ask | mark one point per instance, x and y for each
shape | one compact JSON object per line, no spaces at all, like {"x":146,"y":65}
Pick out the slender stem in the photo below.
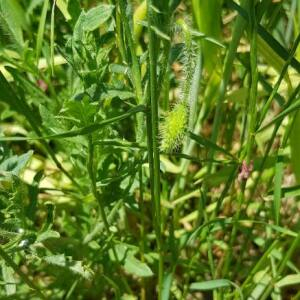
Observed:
{"x":279,"y":80}
{"x":135,"y":66}
{"x":271,"y":141}
{"x":155,"y":145}
{"x":143,"y":235}
{"x":240,"y":24}
{"x":251,"y":131}
{"x":228,"y":65}
{"x":135,"y":69}
{"x":90,"y":167}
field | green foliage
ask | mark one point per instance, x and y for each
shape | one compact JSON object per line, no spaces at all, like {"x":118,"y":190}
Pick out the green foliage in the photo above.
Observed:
{"x":149,"y":149}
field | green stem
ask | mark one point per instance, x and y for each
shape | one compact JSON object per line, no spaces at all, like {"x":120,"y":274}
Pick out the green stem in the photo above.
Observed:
{"x":281,"y":77}
{"x":143,"y":235}
{"x":134,"y":67}
{"x":96,"y":194}
{"x":271,"y":141}
{"x":239,"y":27}
{"x":228,"y":65}
{"x":155,"y":144}
{"x":251,"y":131}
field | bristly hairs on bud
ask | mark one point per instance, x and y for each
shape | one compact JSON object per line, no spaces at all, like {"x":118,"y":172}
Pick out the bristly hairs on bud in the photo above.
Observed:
{"x":175,"y":123}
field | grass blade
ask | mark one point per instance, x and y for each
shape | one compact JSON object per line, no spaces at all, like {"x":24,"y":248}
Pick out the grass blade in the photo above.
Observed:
{"x":277,"y":186}
{"x":41,"y":30}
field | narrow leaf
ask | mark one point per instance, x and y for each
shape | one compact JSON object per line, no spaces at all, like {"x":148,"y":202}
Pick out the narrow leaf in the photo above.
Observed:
{"x":210,"y":285}
{"x":288,"y":280}
{"x":277,"y":186}
{"x":41,"y":29}
{"x":208,"y":144}
{"x":82,"y":131}
{"x":293,"y":107}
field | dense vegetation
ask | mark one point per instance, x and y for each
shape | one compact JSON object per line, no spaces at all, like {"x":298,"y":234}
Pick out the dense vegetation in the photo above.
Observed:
{"x":149,"y":149}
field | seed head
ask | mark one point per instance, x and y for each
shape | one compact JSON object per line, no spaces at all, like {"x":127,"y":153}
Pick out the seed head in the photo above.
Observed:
{"x":174,"y":126}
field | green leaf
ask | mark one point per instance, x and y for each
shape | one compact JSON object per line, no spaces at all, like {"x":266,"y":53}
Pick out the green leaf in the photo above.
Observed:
{"x":160,"y":33}
{"x":97,"y":16}
{"x":208,"y":144}
{"x":16,"y":164}
{"x":292,"y":108}
{"x":136,"y":267}
{"x":201,"y":35}
{"x":76,"y":267}
{"x":132,"y":265}
{"x":291,"y":191}
{"x":288,"y":280}
{"x":155,"y":29}
{"x":63,"y":7}
{"x":49,"y":121}
{"x":74,"y":10}
{"x":123,"y":95}
{"x":277,"y":186}
{"x":167,"y":286}
{"x":12,"y":20}
{"x":207,"y":16}
{"x":8,"y":277}
{"x":10,"y":262}
{"x":274,"y":49}
{"x":210,"y":285}
{"x":41,"y":29}
{"x":49,"y":234}
{"x":82,"y":131}
{"x":215,"y":284}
